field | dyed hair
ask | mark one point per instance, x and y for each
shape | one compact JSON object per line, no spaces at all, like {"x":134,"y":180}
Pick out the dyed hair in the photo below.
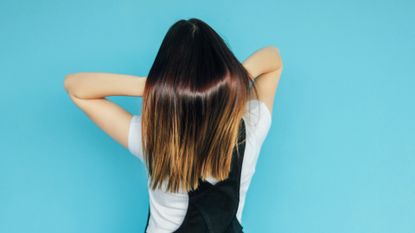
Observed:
{"x":193,"y":102}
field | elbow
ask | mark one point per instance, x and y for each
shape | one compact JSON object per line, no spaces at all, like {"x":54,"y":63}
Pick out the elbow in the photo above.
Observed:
{"x":276,"y":56}
{"x":68,"y":83}
{"x":276,"y":51}
{"x":280,"y":66}
{"x":273,"y":49}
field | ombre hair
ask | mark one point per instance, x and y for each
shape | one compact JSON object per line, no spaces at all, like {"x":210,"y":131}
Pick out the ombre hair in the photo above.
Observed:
{"x":194,"y":98}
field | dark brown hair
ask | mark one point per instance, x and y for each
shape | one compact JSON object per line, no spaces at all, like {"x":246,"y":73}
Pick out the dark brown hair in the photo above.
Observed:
{"x":193,"y":102}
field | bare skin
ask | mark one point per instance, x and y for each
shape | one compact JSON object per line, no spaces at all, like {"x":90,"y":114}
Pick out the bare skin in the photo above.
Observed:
{"x":265,"y":66}
{"x":89,"y":91}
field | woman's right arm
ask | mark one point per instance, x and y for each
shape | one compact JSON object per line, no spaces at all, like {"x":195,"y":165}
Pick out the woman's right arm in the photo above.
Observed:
{"x":265,"y":68}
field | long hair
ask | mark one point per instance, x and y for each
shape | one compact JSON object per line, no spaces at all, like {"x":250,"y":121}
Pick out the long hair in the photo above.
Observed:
{"x":193,"y":102}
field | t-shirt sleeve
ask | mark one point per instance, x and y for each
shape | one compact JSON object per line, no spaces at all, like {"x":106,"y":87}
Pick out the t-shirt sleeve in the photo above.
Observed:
{"x":259,"y":119}
{"x":134,"y":137}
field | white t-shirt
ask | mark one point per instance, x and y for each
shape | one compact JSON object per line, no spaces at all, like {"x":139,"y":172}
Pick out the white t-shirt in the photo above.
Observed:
{"x":167,"y":210}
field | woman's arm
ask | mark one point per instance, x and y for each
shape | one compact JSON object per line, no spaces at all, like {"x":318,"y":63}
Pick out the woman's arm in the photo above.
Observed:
{"x":265,"y":67}
{"x":98,"y":85}
{"x":88,"y":92}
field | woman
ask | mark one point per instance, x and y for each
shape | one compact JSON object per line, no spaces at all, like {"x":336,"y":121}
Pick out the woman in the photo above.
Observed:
{"x":205,"y":116}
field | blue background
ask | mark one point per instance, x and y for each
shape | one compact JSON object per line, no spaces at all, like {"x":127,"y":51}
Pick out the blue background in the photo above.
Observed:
{"x":340,"y":155}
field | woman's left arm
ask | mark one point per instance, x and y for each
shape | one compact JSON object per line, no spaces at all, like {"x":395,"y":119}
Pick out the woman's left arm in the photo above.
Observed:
{"x":88,"y":92}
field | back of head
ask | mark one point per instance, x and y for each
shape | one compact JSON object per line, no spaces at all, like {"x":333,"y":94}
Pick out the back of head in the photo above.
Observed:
{"x":194,"y":99}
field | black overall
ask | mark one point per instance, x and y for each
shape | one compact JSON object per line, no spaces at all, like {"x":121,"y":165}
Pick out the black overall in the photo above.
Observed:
{"x":212,"y":208}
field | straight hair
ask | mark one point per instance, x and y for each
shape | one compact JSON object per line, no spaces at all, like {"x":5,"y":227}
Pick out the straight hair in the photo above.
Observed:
{"x":193,"y":102}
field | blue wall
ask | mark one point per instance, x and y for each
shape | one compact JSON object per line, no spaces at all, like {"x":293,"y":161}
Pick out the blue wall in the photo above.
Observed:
{"x":340,"y":156}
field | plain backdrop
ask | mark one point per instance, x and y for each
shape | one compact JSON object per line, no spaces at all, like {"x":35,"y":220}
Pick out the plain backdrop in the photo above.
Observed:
{"x":339,"y":157}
